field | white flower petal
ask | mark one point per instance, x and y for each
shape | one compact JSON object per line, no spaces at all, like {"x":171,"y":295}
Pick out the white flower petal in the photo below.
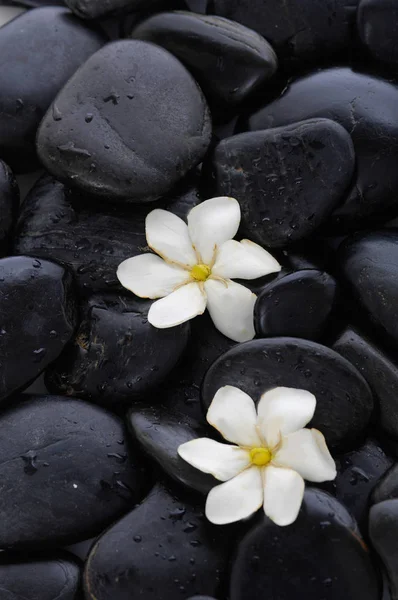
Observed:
{"x":212,"y":223}
{"x":233,"y":414}
{"x":149,"y":276}
{"x":237,"y":499}
{"x":231,"y":308}
{"x":283,"y":494}
{"x":244,"y":260}
{"x":306,"y":452}
{"x":182,"y":305}
{"x":284,"y":410}
{"x":168,"y":236}
{"x":220,"y":460}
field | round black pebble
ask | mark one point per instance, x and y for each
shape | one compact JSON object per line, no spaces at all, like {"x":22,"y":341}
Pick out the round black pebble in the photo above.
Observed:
{"x":66,"y":472}
{"x":297,"y":305}
{"x":383,"y":528}
{"x":94,"y":9}
{"x":9,"y":204}
{"x":377,"y":27}
{"x":387,"y":488}
{"x":271,"y":173}
{"x":344,"y":400}
{"x":131,"y":123}
{"x":116,"y":355}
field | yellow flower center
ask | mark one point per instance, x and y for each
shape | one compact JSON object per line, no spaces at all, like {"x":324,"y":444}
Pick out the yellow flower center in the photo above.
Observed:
{"x":200,"y":272}
{"x":260,"y":456}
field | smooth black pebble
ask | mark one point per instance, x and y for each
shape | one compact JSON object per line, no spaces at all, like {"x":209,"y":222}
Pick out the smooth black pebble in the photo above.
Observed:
{"x":134,"y":122}
{"x":271,"y":173}
{"x":367,"y":107}
{"x":95,"y":9}
{"x":116,"y":355}
{"x":37,"y":318}
{"x":297,"y":305}
{"x":39,"y":50}
{"x":344,"y":401}
{"x":387,"y":488}
{"x":9,"y":204}
{"x":383,"y":528}
{"x":316,"y":555}
{"x":66,"y":472}
{"x":229,"y":60}
{"x":377,"y":26}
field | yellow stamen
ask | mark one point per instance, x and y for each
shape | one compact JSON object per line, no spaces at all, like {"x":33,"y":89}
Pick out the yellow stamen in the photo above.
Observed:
{"x":260,"y":456}
{"x":200,"y":272}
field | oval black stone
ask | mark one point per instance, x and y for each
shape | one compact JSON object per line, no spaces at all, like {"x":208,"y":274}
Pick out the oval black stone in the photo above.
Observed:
{"x":33,"y":577}
{"x":66,"y":472}
{"x":38,"y":317}
{"x":9,"y":203}
{"x":317,"y":555}
{"x":229,"y":60}
{"x":163,"y":549}
{"x":344,"y":400}
{"x":383,"y":529}
{"x":376,"y":23}
{"x":94,"y":9}
{"x":116,"y":355}
{"x":297,"y":305}
{"x":271,"y":173}
{"x":31,"y":80}
{"x":134,"y":122}
{"x":367,"y":107}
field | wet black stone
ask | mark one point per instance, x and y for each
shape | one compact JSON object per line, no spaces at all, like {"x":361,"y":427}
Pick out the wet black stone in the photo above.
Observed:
{"x":9,"y":203}
{"x":37,"y":318}
{"x":300,"y":30}
{"x":377,"y":26}
{"x":368,"y":108}
{"x":93,"y":9}
{"x":344,"y":400}
{"x":379,"y":371}
{"x":297,"y":305}
{"x":201,"y":598}
{"x":42,"y":48}
{"x":368,"y":265}
{"x":271,"y":173}
{"x":66,"y":472}
{"x":159,"y":430}
{"x":229,"y":61}
{"x":134,"y":122}
{"x":39,"y":578}
{"x":116,"y":355}
{"x":387,"y":488}
{"x":383,"y":527}
{"x":314,"y":558}
{"x":163,"y":549}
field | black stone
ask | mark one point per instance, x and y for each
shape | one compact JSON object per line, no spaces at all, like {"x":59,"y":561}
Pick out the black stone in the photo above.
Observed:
{"x":163,"y":549}
{"x":383,"y":528}
{"x":387,"y":488}
{"x":133,"y":123}
{"x":94,"y":9}
{"x":200,"y":598}
{"x":41,"y":49}
{"x":229,"y":60}
{"x":344,"y":400}
{"x":368,"y":265}
{"x":314,"y":558}
{"x":368,"y":108}
{"x":297,"y":305}
{"x":38,"y":578}
{"x":9,"y":203}
{"x":34,"y":3}
{"x":378,"y":370}
{"x":271,"y":173}
{"x":38,"y":317}
{"x":92,"y":240}
{"x":300,"y":30}
{"x":116,"y":355}
{"x":159,"y":430}
{"x":377,"y":26}
{"x":66,"y":472}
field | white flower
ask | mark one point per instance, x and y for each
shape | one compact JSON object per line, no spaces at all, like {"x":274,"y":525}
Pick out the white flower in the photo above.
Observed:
{"x":273,"y":456}
{"x":195,"y":266}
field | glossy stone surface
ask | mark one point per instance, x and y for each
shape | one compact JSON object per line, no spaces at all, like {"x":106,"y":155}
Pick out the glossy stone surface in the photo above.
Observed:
{"x":228,"y":60}
{"x":66,"y":472}
{"x":319,"y":553}
{"x":272,"y":174}
{"x":377,"y":26}
{"x":116,"y":355}
{"x":344,"y":400}
{"x":38,"y":317}
{"x":9,"y":203}
{"x":297,"y":305}
{"x":127,"y":96}
{"x":31,"y":81}
{"x":383,"y":520}
{"x":387,"y":488}
{"x":367,"y":107}
{"x":93,"y":9}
